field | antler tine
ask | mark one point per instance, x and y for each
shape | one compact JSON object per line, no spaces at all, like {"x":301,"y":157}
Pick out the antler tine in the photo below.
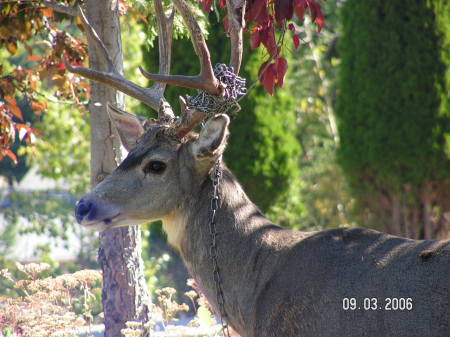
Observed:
{"x":189,"y":119}
{"x":236,"y":23}
{"x":118,"y":82}
{"x":206,"y":81}
{"x":165,"y":112}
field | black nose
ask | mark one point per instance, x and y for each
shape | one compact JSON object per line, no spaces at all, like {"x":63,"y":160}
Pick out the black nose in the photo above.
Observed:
{"x":82,"y":210}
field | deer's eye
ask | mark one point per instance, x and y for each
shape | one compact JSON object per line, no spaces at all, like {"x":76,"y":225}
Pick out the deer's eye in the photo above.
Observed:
{"x":155,"y":167}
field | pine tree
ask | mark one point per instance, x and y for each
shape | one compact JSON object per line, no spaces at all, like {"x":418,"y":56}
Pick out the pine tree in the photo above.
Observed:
{"x":393,"y":113}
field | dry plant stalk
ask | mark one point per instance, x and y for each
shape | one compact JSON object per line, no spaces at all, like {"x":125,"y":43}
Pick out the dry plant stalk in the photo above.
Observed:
{"x":45,"y":308}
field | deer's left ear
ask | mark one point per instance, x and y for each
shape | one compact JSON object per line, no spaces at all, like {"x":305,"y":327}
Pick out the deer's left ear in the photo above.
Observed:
{"x":212,"y":140}
{"x":130,"y":127}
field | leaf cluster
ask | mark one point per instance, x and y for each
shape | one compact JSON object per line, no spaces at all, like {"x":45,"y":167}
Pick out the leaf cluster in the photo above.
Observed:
{"x":41,"y":65}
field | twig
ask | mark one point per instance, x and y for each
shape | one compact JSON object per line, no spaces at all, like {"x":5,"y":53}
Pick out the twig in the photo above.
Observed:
{"x":57,"y":7}
{"x":90,"y":31}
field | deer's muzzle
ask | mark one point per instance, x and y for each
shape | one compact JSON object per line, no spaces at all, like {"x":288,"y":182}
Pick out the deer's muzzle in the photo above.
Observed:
{"x":96,"y":214}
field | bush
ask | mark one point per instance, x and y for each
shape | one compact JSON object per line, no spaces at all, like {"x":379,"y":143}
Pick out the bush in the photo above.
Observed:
{"x":393,"y":112}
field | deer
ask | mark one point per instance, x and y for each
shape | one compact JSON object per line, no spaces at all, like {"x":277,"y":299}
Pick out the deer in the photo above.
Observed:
{"x":275,"y":282}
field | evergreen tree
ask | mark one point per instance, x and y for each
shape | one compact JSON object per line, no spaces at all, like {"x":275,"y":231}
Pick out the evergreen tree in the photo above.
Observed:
{"x":393,"y":113}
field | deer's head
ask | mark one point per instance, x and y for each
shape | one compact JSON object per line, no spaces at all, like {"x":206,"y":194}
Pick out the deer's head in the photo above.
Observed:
{"x":159,"y":173}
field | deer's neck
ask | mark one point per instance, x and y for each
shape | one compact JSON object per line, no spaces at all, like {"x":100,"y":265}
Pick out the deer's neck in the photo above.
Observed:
{"x":247,"y":244}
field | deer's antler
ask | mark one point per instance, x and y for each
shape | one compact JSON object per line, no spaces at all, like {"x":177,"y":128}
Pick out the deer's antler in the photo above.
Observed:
{"x":154,"y":96}
{"x":206,"y":80}
{"x":112,"y":78}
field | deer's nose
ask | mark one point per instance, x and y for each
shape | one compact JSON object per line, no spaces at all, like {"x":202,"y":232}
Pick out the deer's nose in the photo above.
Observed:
{"x":84,"y":209}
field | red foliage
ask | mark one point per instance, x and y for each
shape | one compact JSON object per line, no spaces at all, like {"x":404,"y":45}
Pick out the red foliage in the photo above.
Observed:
{"x":28,"y":20}
{"x":284,"y":10}
{"x":207,"y":4}
{"x":266,"y":36}
{"x":316,"y":14}
{"x":265,"y":17}
{"x":257,"y":11}
{"x":282,"y":66}
{"x":300,"y":7}
{"x":273,"y":73}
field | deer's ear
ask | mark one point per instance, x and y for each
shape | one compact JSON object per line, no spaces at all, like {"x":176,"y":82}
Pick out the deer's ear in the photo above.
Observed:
{"x":212,"y":140}
{"x":130,"y":127}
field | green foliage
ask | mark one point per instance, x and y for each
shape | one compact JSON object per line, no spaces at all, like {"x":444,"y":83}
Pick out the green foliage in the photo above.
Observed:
{"x":63,"y":153}
{"x":39,"y":212}
{"x":263,"y":150}
{"x":312,"y":79}
{"x":392,"y":76}
{"x":8,"y":237}
{"x":393,"y":108}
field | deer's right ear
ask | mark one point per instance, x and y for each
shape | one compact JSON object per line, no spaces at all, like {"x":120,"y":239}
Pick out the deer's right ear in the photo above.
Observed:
{"x":130,"y":127}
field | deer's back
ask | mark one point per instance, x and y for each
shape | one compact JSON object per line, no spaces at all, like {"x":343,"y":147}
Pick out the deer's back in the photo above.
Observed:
{"x":311,"y":291}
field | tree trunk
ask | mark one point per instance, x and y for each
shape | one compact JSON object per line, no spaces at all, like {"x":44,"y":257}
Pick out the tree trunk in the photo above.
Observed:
{"x":124,"y":293}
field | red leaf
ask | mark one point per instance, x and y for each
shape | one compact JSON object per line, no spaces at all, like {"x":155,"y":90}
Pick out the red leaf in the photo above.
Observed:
{"x":268,"y":77}
{"x":207,"y":4}
{"x":13,"y":107}
{"x":38,"y":107}
{"x":300,"y":7}
{"x":283,"y":10}
{"x":11,"y":155}
{"x":258,"y":11}
{"x":267,"y":37}
{"x":22,"y":126}
{"x":60,"y":66}
{"x":296,"y":40}
{"x":47,"y":12}
{"x":316,"y":14}
{"x":222,"y":3}
{"x":36,"y":131}
{"x":262,"y":68}
{"x":282,"y":67}
{"x":34,"y":58}
{"x":255,"y":38}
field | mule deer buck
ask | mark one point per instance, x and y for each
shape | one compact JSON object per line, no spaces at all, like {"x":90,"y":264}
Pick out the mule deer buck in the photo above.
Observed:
{"x":275,"y":282}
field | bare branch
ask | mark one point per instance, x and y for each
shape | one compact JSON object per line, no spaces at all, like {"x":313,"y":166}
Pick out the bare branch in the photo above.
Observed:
{"x":55,"y":6}
{"x":98,"y":43}
{"x":206,"y":80}
{"x":236,"y":24}
{"x":165,"y":29}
